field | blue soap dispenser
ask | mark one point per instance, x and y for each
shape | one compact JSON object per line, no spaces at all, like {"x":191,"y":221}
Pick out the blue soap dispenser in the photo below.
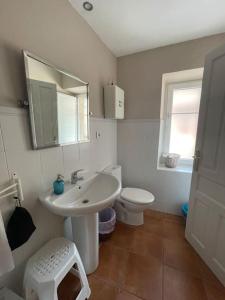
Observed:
{"x":58,"y":185}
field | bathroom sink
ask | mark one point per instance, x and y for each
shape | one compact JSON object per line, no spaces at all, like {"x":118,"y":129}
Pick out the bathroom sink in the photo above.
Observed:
{"x":80,"y":204}
{"x":86,"y":197}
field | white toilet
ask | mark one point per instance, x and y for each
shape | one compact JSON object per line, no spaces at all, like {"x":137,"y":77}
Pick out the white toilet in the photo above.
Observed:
{"x":132,"y":202}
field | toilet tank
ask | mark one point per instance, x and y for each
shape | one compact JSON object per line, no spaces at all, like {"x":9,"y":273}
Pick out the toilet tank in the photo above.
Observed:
{"x":115,"y":171}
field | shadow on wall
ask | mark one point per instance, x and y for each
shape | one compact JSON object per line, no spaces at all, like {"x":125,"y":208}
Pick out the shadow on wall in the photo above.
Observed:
{"x":12,"y":75}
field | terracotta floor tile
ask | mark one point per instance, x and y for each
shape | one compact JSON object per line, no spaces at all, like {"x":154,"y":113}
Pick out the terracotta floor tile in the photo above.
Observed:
{"x":69,"y":288}
{"x":208,"y":276}
{"x":149,"y":262}
{"x":112,"y":264}
{"x":174,"y":218}
{"x":146,"y":243}
{"x":213,"y":292}
{"x":144,"y":277}
{"x":152,"y":225}
{"x":123,"y":236}
{"x":181,"y":286}
{"x":127,"y":296}
{"x":181,"y":256}
{"x":101,"y":290}
{"x":173,"y":230}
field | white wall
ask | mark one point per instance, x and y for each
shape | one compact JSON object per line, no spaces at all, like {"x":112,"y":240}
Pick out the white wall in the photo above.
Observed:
{"x":38,"y":169}
{"x":137,"y":154}
{"x":70,"y":44}
{"x":140,"y":74}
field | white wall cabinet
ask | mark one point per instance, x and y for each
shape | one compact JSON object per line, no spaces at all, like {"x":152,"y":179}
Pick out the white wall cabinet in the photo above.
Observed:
{"x":113,"y":102}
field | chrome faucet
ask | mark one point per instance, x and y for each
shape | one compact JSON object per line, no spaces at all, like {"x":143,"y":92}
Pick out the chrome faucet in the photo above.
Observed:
{"x":75,"y":177}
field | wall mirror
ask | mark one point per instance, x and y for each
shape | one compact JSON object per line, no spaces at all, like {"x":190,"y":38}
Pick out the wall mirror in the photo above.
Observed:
{"x":58,"y":104}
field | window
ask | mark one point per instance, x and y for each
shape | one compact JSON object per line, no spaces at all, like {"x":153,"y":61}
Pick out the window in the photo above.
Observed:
{"x":182,"y":118}
{"x":83,"y":117}
{"x":67,"y":123}
{"x":181,"y":93}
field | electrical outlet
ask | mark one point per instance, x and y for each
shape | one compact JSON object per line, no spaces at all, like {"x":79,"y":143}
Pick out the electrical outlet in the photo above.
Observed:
{"x":98,"y":135}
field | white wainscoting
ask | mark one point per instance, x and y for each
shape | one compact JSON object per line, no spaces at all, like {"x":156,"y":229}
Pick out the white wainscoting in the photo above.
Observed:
{"x":38,"y":169}
{"x":138,"y":153}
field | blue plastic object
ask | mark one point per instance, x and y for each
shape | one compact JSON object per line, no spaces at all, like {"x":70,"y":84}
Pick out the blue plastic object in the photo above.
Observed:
{"x":58,"y":185}
{"x":184,"y":209}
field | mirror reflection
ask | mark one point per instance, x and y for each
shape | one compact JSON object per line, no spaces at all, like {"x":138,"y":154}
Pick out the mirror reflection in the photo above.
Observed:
{"x":58,"y":104}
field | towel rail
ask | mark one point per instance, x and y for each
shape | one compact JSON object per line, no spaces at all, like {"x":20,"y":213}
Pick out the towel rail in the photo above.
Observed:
{"x":8,"y":188}
{"x":18,"y":192}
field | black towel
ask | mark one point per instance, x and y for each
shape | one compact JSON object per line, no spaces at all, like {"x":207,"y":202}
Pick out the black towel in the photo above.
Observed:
{"x":19,"y":228}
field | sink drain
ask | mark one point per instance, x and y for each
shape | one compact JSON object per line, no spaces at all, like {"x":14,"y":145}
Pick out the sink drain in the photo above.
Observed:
{"x":85,"y":201}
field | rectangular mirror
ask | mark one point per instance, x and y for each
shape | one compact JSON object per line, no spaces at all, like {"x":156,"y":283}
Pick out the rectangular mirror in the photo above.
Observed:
{"x":58,"y":104}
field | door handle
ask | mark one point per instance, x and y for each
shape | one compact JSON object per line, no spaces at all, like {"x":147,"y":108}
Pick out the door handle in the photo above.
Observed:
{"x":196,"y":157}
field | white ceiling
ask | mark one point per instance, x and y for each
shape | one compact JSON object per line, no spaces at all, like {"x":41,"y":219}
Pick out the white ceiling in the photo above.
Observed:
{"x":129,"y":26}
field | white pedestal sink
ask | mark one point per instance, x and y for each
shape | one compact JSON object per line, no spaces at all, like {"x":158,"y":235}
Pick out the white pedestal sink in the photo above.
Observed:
{"x":82,"y":202}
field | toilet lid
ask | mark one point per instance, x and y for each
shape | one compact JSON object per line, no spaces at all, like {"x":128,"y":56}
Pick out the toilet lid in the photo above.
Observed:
{"x":137,"y":195}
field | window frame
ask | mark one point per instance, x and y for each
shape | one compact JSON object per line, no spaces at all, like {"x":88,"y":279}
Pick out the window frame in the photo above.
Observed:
{"x":168,"y":101}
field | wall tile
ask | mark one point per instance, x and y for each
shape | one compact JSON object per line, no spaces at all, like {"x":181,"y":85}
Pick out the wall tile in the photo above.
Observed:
{"x":20,"y":156}
{"x":137,"y":153}
{"x":4,"y":177}
{"x":103,"y":150}
{"x":38,"y":169}
{"x":27,"y":164}
{"x":70,"y":159}
{"x":51,"y":165}
{"x":85,"y":157}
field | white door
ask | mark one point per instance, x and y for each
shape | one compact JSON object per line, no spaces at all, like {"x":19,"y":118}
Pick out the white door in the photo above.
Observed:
{"x":206,"y":221}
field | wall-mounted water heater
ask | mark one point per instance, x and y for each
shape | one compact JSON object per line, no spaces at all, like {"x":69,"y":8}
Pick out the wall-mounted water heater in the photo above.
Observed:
{"x":113,"y":102}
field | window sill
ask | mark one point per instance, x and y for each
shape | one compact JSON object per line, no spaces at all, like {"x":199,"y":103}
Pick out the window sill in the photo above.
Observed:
{"x":180,"y":168}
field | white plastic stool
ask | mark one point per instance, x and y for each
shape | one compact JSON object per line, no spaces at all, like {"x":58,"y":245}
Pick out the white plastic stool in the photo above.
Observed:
{"x":49,"y":265}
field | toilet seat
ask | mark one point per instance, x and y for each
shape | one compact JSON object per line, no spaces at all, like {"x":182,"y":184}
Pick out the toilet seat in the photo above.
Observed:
{"x":131,"y":205}
{"x":137,"y":196}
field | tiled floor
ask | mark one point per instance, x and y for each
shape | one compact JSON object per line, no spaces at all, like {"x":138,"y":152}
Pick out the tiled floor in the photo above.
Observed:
{"x":152,"y":262}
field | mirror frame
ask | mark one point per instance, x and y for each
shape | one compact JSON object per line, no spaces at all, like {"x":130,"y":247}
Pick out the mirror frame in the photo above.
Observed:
{"x":27,"y":54}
